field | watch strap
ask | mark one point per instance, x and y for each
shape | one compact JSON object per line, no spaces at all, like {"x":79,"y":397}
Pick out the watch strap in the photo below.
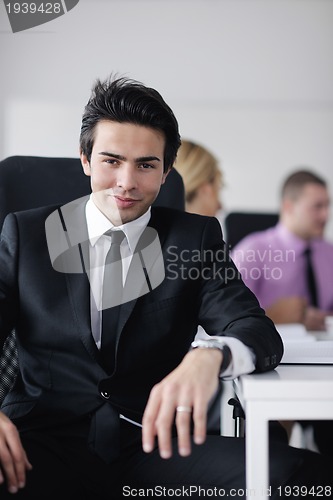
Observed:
{"x":215,"y":344}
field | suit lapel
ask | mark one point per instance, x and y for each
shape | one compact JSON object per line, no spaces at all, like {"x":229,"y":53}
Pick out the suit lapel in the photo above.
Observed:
{"x":79,"y":294}
{"x":73,"y":224}
{"x":76,"y":265}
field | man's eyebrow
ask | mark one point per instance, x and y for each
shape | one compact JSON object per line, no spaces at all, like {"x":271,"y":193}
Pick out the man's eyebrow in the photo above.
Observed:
{"x":147,"y":158}
{"x":112,"y":155}
{"x":123,"y":158}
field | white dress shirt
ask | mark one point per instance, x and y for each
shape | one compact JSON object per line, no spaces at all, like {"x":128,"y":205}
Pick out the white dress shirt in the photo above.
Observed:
{"x":99,"y":246}
{"x":243,"y":358}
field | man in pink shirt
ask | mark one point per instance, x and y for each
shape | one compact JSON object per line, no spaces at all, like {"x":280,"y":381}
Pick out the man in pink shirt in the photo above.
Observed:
{"x":274,"y":263}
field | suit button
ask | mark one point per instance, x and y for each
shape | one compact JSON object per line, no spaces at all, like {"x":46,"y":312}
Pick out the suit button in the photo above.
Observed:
{"x":105,"y":394}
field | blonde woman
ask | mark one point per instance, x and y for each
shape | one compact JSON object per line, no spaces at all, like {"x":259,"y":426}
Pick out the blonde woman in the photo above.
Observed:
{"x":202,"y":178}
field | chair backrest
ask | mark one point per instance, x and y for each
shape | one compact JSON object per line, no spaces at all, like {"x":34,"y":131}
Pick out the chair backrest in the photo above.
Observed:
{"x":32,"y":181}
{"x":240,"y":224}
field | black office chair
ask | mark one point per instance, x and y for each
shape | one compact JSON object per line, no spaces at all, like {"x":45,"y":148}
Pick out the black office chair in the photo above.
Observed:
{"x":240,"y":224}
{"x":30,"y":182}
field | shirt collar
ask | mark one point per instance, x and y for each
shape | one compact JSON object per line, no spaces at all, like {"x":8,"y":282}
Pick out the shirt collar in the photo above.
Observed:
{"x":98,"y":224}
{"x":290,"y":239}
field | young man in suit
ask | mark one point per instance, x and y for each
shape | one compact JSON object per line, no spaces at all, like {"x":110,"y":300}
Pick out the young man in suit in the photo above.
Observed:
{"x":106,"y":393}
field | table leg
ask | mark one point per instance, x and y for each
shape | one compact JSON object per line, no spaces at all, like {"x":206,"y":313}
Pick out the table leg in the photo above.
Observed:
{"x":256,"y":440}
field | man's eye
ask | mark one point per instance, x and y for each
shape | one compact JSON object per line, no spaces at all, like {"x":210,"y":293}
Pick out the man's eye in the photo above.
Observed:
{"x":111,"y":161}
{"x":146,"y":166}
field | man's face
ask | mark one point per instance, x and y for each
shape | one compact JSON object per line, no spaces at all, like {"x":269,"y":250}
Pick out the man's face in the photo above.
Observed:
{"x":309,"y":212}
{"x":126,"y":169}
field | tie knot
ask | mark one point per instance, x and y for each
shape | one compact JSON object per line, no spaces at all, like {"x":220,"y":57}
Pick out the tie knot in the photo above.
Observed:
{"x":116,"y":236}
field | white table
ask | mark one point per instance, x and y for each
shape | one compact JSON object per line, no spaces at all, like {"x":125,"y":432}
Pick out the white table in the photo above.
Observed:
{"x":291,"y":392}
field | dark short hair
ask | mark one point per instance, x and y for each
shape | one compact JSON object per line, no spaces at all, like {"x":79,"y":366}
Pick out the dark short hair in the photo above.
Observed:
{"x":295,"y":183}
{"x":125,"y":100}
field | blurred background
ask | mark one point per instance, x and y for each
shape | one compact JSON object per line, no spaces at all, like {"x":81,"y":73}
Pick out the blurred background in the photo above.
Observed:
{"x":252,"y":80}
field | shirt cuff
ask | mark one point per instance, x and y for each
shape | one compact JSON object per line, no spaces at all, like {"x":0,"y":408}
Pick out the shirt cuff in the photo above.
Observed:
{"x":243,"y":358}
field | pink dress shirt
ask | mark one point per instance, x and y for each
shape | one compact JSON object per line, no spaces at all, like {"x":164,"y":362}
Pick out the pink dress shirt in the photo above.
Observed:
{"x":272,"y":264}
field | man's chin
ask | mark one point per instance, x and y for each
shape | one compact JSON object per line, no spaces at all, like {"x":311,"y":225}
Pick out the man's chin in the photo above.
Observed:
{"x":318,"y":234}
{"x":128,"y":215}
{"x":121,"y":216}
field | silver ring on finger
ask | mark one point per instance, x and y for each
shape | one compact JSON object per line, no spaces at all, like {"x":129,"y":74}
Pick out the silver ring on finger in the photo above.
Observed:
{"x":184,"y":409}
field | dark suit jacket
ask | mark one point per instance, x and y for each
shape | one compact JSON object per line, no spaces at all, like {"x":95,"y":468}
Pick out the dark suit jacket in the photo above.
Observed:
{"x":61,"y":377}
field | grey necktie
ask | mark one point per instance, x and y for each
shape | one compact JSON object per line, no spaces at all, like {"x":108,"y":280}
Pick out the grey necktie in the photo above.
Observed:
{"x":111,"y":299}
{"x":104,"y":429}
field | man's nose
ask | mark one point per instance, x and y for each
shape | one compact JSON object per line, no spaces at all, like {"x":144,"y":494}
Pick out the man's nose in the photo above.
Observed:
{"x":126,"y":178}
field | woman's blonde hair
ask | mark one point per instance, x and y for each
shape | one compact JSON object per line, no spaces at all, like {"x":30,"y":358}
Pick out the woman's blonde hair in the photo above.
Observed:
{"x":197,"y":166}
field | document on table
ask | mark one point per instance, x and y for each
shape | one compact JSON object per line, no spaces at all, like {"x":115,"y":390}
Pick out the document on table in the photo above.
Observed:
{"x":302,"y":347}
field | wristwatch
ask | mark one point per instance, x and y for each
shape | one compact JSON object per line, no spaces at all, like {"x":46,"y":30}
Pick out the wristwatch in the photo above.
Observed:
{"x":215,"y":344}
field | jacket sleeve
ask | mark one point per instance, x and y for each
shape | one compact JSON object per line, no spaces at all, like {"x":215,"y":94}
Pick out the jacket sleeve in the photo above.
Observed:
{"x":228,"y":307}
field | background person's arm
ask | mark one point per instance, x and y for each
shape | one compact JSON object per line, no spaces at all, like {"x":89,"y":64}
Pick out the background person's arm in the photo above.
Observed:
{"x":287,"y":310}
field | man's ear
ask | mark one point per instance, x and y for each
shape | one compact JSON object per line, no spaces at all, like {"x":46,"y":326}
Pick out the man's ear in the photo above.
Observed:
{"x":85,"y":164}
{"x":165,"y":175}
{"x":287,"y":205}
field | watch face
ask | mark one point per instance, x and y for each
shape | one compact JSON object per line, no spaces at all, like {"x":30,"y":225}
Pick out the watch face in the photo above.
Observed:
{"x":210,"y":344}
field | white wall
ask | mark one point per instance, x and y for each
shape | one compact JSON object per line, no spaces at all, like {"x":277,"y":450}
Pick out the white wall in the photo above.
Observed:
{"x":250,"y":79}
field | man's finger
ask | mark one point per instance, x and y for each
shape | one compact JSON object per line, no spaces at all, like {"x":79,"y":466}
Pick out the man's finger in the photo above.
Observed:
{"x":200,"y":422}
{"x":183,"y":424}
{"x":148,"y":421}
{"x":13,"y":459}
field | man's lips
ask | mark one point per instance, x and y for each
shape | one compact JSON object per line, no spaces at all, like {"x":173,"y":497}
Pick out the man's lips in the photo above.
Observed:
{"x":125,"y":202}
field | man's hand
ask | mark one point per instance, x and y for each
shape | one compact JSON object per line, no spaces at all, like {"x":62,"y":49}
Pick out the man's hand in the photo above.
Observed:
{"x":190,"y":386}
{"x":296,"y":310}
{"x":314,"y":319}
{"x":13,"y":459}
{"x":287,"y":310}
